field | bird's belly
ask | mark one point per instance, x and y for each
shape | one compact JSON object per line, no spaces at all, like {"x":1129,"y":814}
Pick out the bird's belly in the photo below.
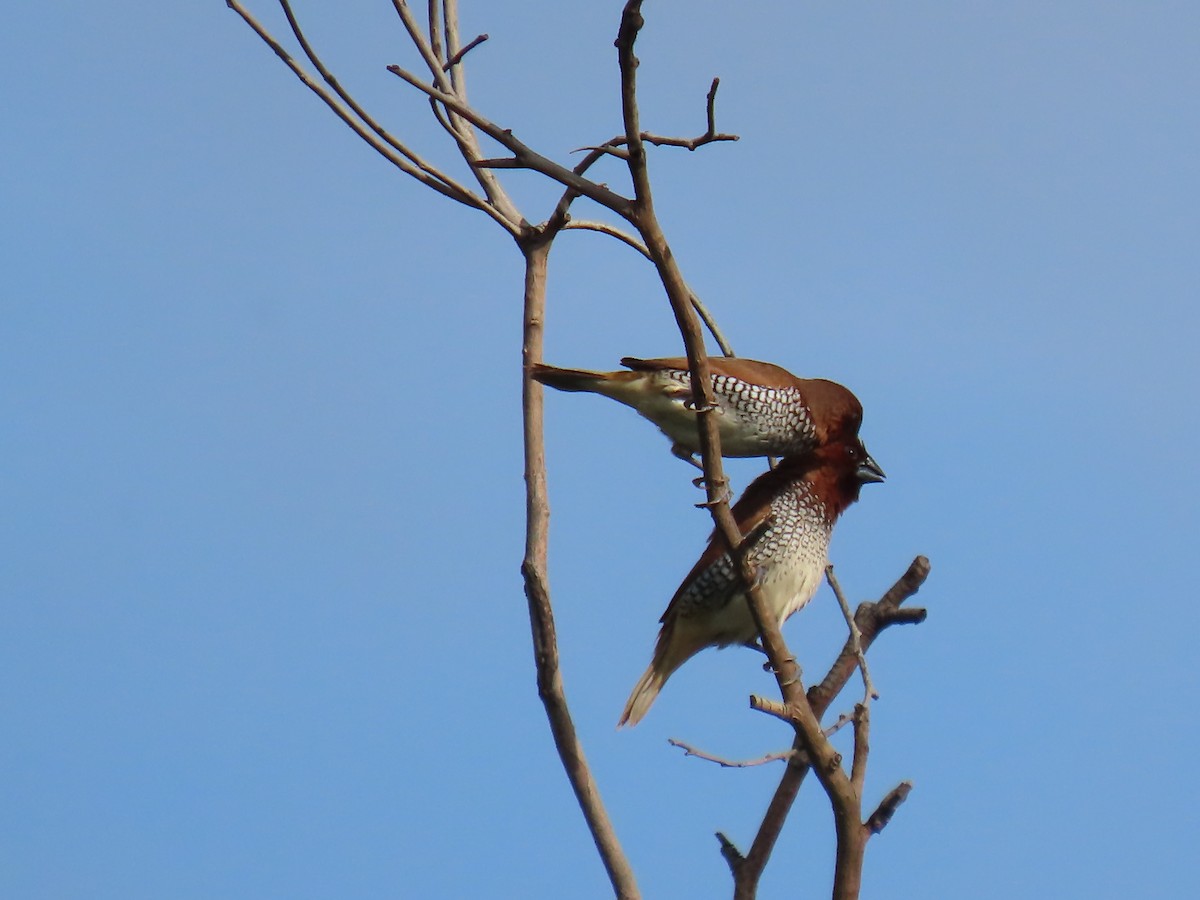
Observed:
{"x":740,"y":436}
{"x":786,"y":588}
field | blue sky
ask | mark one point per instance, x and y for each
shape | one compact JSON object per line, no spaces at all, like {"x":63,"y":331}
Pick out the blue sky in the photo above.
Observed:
{"x":263,"y":629}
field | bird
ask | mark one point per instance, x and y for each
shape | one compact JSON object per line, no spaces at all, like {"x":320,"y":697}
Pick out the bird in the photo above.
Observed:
{"x":787,"y":514}
{"x":762,"y":409}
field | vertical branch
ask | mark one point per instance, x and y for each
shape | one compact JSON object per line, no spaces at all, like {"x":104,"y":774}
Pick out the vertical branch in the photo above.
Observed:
{"x":643,"y":217}
{"x":458,"y":76}
{"x":534,"y":568}
{"x":435,"y":32}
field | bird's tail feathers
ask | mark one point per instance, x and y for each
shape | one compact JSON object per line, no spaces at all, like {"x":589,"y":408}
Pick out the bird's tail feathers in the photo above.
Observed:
{"x":643,"y":695}
{"x":672,"y":649}
{"x":567,"y":379}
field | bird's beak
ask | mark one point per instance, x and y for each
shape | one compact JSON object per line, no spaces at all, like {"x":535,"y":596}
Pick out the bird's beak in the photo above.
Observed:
{"x":869,"y":471}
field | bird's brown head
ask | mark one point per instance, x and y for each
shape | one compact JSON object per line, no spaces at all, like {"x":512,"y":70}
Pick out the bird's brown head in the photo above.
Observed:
{"x":836,"y":472}
{"x":836,"y":413}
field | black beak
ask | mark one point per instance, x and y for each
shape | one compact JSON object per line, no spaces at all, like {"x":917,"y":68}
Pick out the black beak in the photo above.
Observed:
{"x":869,"y":471}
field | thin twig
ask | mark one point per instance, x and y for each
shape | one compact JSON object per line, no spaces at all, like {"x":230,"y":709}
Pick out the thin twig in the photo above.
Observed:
{"x":730,"y":853}
{"x":879,"y":819}
{"x":842,"y":721}
{"x":659,"y":140}
{"x":457,"y":57}
{"x":499,"y":162}
{"x":862,"y":746}
{"x":531,"y":159}
{"x":434,"y":14}
{"x":422,"y":173}
{"x":356,"y":108}
{"x":613,"y":148}
{"x":770,"y":707}
{"x":610,"y":230}
{"x":455,"y":123}
{"x":711,"y":106}
{"x":869,"y":692}
{"x":425,"y":47}
{"x":689,"y":750}
{"x":711,"y":324}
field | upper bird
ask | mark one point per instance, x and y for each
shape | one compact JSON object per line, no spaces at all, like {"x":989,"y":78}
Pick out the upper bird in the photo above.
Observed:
{"x":788,"y":513}
{"x":762,"y":409}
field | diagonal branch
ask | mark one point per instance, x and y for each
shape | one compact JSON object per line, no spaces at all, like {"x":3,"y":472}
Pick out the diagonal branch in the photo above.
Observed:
{"x":869,"y":692}
{"x":872,"y":619}
{"x":825,"y":759}
{"x":359,"y":111}
{"x":452,"y":83}
{"x":879,"y":819}
{"x":454,"y":60}
{"x":527,"y":157}
{"x":404,"y":160}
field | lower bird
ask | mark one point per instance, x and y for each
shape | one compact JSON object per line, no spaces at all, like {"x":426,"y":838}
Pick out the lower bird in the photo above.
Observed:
{"x":762,"y":409}
{"x":788,"y":513}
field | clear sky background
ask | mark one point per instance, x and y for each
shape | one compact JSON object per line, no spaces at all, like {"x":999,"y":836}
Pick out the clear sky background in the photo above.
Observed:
{"x":263,"y":632}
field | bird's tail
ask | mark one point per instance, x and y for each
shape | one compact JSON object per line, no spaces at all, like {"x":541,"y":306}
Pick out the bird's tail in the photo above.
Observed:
{"x":644,"y":694}
{"x":568,"y":379}
{"x":675,"y":646}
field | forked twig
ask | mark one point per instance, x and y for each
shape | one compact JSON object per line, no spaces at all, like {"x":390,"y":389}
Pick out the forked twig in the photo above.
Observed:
{"x":869,"y":692}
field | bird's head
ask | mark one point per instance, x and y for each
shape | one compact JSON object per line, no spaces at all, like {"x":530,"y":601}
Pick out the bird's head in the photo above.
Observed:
{"x":837,"y":471}
{"x":836,"y":413}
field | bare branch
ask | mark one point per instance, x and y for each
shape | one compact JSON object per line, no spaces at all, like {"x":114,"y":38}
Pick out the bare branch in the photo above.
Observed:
{"x":613,"y":148}
{"x":770,"y":707}
{"x":689,"y":750}
{"x":872,"y":619}
{"x":452,"y":84}
{"x":610,"y":230}
{"x":711,"y":324}
{"x":362,"y":114}
{"x":826,"y":761}
{"x":529,"y":158}
{"x":458,"y":77}
{"x":862,"y":746}
{"x":534,"y":568}
{"x":842,"y":721}
{"x":869,"y":692}
{"x":711,"y":107}
{"x":403,"y":159}
{"x":879,"y":819}
{"x":710,"y":135}
{"x":457,"y":57}
{"x":436,"y":44}
{"x":730,"y":853}
{"x":500,"y":162}
{"x":659,"y":140}
{"x":425,"y":47}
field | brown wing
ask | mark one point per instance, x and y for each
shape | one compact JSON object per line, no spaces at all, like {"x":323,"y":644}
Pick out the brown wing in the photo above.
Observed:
{"x":750,"y":370}
{"x":751,"y":510}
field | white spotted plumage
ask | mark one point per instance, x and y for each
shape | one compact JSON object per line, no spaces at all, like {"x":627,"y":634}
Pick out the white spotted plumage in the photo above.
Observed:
{"x":787,"y":515}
